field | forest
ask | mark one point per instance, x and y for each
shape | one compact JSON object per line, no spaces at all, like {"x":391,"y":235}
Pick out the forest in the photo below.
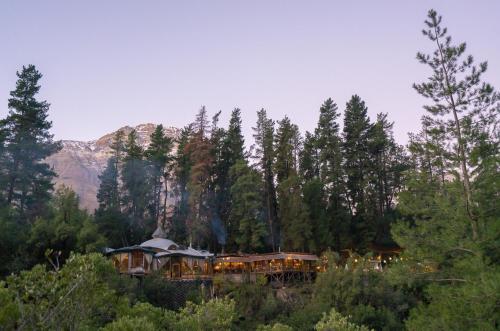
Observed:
{"x":345,"y":186}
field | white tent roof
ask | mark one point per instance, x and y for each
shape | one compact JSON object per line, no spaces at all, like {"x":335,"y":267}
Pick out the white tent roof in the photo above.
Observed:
{"x":169,"y":247}
{"x":160,"y":243}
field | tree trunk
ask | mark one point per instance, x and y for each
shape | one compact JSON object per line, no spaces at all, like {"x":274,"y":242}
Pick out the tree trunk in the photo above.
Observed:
{"x":270,"y":220}
{"x":461,"y":149}
{"x":12,"y":181}
{"x":165,"y":179}
{"x":465,"y":174}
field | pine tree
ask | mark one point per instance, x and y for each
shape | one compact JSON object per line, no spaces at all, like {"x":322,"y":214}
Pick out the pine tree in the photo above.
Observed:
{"x":315,"y":201}
{"x":356,"y":161}
{"x":388,"y":162}
{"x":200,"y":151}
{"x":136,"y":195}
{"x":294,"y":221}
{"x":294,"y":218}
{"x":118,"y":146}
{"x":182,"y":169}
{"x":109,"y":218}
{"x":328,"y":142}
{"x":3,"y":163}
{"x":247,"y":207}
{"x":217,"y":192}
{"x":232,"y":153}
{"x":332,"y":230}
{"x":234,"y":143}
{"x":108,"y":195}
{"x":287,"y":148}
{"x":462,"y":103}
{"x":159,"y":158}
{"x":264,"y":154}
{"x":26,"y":143}
{"x":309,"y":158}
{"x":449,"y":228}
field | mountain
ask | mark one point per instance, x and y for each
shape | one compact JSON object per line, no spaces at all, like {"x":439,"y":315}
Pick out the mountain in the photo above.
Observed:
{"x":79,"y":163}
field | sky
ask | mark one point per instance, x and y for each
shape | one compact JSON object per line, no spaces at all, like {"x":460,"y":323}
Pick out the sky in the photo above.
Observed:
{"x":107,"y":64}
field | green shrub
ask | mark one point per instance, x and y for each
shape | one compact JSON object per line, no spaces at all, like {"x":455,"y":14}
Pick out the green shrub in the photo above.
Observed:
{"x":127,"y":323}
{"x":214,"y":315}
{"x":75,"y":297}
{"x":159,"y":292}
{"x":275,"y":327}
{"x":9,"y":310}
{"x":334,"y":321}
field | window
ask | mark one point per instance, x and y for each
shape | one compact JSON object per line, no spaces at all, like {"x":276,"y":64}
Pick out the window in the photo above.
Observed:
{"x":124,"y":262}
{"x":137,"y":259}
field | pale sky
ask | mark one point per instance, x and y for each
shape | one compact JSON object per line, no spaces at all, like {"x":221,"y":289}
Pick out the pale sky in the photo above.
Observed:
{"x":107,"y":64}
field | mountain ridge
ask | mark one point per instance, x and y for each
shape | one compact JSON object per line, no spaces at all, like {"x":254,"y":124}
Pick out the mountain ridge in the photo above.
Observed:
{"x":79,"y":163}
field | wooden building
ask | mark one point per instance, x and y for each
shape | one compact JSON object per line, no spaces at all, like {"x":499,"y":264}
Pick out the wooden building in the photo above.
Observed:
{"x":282,"y":267}
{"x":176,"y":262}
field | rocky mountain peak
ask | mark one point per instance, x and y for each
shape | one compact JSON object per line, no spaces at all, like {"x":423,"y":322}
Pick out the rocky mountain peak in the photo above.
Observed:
{"x":79,"y":163}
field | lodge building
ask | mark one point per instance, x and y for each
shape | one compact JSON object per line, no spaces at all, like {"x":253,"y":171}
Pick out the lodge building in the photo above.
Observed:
{"x":160,"y":254}
{"x":177,"y":262}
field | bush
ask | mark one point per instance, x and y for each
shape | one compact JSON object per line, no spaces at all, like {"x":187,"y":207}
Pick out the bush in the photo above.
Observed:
{"x":214,"y":315}
{"x":9,"y":310}
{"x":377,"y":318}
{"x":127,"y":323}
{"x":469,"y":306}
{"x":364,"y":294}
{"x":158,"y":292}
{"x":334,"y":321}
{"x":161,"y":319}
{"x":275,"y":327}
{"x":75,"y":297}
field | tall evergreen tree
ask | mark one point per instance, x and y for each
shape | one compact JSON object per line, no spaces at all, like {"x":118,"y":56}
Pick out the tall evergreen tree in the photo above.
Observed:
{"x":309,"y":158}
{"x":287,"y":148}
{"x":200,"y":151}
{"x":295,"y":227}
{"x":314,"y":193}
{"x":3,"y":163}
{"x":234,"y":143}
{"x":108,"y":194}
{"x":450,"y":227}
{"x":109,"y":218}
{"x":356,"y":161}
{"x":136,"y":195}
{"x":264,"y":155}
{"x":462,"y":103}
{"x":329,"y":143}
{"x":247,"y":207}
{"x":294,"y":218}
{"x":232,"y":153}
{"x":334,"y":229}
{"x":388,"y":162}
{"x":159,"y":158}
{"x":26,"y":143}
{"x":118,"y":146}
{"x":182,"y":169}
{"x":218,"y":194}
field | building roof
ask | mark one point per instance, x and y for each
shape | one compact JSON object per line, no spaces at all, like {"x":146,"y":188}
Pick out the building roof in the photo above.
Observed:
{"x":161,"y":247}
{"x":159,"y":233}
{"x":160,"y":243}
{"x":267,"y":256}
{"x":191,"y":252}
{"x":108,"y":251}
